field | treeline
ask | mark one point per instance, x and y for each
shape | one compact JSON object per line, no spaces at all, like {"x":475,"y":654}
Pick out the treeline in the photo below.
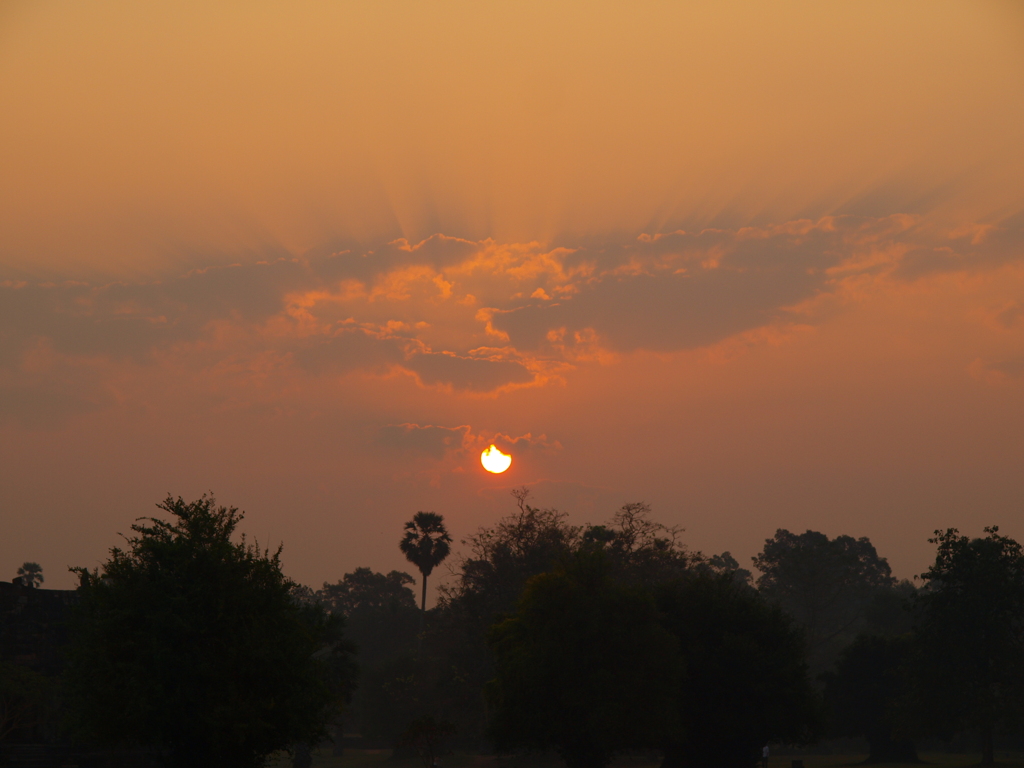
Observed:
{"x":593,"y":639}
{"x":584,"y":640}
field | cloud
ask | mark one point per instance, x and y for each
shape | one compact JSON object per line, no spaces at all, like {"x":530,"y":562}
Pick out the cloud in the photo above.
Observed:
{"x":483,"y":317}
{"x":430,"y":440}
{"x":998,"y":371}
{"x":471,"y":374}
{"x":439,"y":442}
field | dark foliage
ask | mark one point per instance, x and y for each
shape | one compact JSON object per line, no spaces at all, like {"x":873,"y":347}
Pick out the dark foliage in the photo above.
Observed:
{"x":30,"y":575}
{"x":26,"y":700}
{"x":865,"y":692}
{"x":382,"y":620}
{"x":425,"y":544}
{"x":193,"y":645}
{"x":969,"y":637}
{"x":827,"y":585}
{"x":583,"y":667}
{"x":746,"y":677}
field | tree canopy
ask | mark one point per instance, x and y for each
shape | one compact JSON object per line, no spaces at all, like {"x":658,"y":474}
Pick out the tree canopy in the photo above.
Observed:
{"x":746,"y":679}
{"x":425,"y":544}
{"x":969,"y":635}
{"x":583,"y":667}
{"x":827,"y":585}
{"x":193,"y":644}
{"x":30,"y":575}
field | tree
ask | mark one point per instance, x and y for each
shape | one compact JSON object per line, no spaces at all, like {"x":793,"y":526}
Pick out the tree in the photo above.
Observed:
{"x":746,"y":679}
{"x":194,"y":645}
{"x":30,"y":575}
{"x":583,"y":667}
{"x":366,"y":590}
{"x":864,"y":693}
{"x":969,"y":635}
{"x":426,"y":544}
{"x":641,"y":550}
{"x":382,"y":620}
{"x":530,"y":541}
{"x":825,"y":584}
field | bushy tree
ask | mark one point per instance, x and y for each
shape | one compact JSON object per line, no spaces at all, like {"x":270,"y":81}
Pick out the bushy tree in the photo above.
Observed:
{"x":583,"y":667}
{"x":193,"y":644}
{"x":746,"y":680}
{"x":969,"y":636}
{"x":504,"y":557}
{"x":827,"y":585}
{"x":366,"y":590}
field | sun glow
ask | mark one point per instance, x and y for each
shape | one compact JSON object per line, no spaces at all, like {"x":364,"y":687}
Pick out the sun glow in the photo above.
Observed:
{"x":494,"y":460}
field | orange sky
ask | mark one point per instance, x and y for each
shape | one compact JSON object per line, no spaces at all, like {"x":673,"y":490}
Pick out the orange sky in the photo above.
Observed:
{"x":759,"y":265}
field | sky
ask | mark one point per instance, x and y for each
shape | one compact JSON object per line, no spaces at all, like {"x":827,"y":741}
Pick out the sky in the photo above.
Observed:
{"x":758,"y":265}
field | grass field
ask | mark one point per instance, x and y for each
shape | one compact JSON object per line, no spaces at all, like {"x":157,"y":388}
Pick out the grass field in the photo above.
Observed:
{"x":381,"y":758}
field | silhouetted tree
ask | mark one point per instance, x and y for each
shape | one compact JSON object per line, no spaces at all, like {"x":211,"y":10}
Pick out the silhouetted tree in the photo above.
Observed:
{"x":969,"y":635}
{"x":30,"y":575}
{"x":382,"y":620}
{"x":825,"y":584}
{"x":426,"y":544}
{"x":367,"y":590}
{"x":193,"y":644}
{"x":865,"y":692}
{"x":641,"y":550}
{"x":725,"y":563}
{"x":502,"y":558}
{"x":746,"y":679}
{"x":583,"y":667}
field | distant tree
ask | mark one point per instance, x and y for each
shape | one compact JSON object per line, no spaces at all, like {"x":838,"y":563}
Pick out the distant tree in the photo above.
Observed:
{"x":725,"y":563}
{"x":30,"y":575}
{"x":969,"y":636}
{"x":825,"y":584}
{"x":426,"y":544}
{"x":382,"y":620}
{"x":583,"y":667}
{"x":746,"y":679}
{"x":196,"y":646}
{"x":864,"y":693}
{"x":366,"y":590}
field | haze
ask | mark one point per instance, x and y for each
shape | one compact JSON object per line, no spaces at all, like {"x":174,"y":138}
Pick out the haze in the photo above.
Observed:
{"x":761,"y":266}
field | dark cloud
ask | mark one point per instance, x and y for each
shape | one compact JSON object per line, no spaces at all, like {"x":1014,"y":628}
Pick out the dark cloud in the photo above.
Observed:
{"x":467,"y":373}
{"x":411,"y":305}
{"x":431,"y":440}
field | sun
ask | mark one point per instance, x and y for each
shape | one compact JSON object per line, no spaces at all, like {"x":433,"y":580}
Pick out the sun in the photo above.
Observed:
{"x":494,"y":460}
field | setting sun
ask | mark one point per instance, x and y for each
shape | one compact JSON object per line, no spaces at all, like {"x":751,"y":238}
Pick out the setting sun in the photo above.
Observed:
{"x":494,"y":460}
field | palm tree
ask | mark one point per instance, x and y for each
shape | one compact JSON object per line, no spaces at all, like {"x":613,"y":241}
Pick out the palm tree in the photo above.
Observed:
{"x":30,"y":574}
{"x":425,"y":544}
